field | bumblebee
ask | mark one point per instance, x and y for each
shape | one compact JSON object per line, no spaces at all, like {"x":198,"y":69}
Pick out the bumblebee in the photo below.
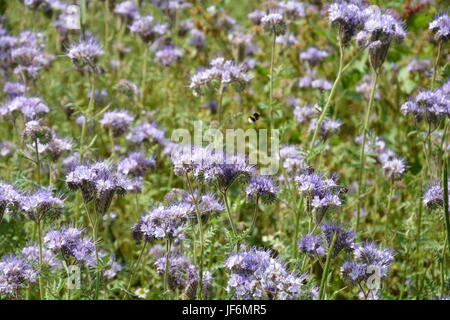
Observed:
{"x":254,"y":117}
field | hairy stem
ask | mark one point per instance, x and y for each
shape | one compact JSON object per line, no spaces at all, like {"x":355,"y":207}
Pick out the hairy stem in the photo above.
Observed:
{"x":362,"y":157}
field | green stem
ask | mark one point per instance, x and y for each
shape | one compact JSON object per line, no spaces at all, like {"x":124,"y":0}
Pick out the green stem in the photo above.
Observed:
{"x":330,"y":97}
{"x":219,"y":107}
{"x":363,"y":146}
{"x":324,"y":280}
{"x":167,"y":266}
{"x":272,"y":62}
{"x":225,"y":199}
{"x":436,"y":64}
{"x":200,"y":228}
{"x":38,"y":162}
{"x":446,"y":213}
{"x":134,"y":267}
{"x":41,"y":286}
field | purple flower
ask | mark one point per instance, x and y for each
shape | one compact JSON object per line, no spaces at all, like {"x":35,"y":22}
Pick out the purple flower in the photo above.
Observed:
{"x":273,"y":23}
{"x":146,"y":28}
{"x":118,"y":121}
{"x":255,"y":274}
{"x":440,"y":26}
{"x":69,"y":242}
{"x":368,"y":259}
{"x":15,"y":273}
{"x":312,"y":246}
{"x":128,"y":88}
{"x":380,"y":29}
{"x":348,"y":17}
{"x":221,"y":73}
{"x":98,"y":181}
{"x":261,"y":187}
{"x":31,"y":253}
{"x":136,"y":164}
{"x":55,"y":147}
{"x":167,"y":55}
{"x":14,"y":89}
{"x":207,"y":205}
{"x":305,"y":113}
{"x":146,"y":132}
{"x":183,"y":275}
{"x":327,"y":127}
{"x":40,"y":204}
{"x":85,"y":53}
{"x":344,"y":238}
{"x":163,"y":222}
{"x":126,"y":10}
{"x":293,"y":159}
{"x":313,"y":55}
{"x":256,"y":16}
{"x":31,"y":108}
{"x":434,"y":197}
{"x":9,"y":198}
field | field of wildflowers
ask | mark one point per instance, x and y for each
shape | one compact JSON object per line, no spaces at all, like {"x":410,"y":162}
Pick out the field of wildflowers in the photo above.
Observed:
{"x":116,"y":175}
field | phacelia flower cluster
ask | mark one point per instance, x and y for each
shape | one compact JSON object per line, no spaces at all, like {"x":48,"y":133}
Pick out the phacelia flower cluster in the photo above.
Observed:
{"x":368,"y":259}
{"x":221,"y":74}
{"x":440,"y":27}
{"x":348,"y":17}
{"x":261,"y":187}
{"x":255,"y":274}
{"x":117,"y":121}
{"x":97,"y":181}
{"x":15,"y":273}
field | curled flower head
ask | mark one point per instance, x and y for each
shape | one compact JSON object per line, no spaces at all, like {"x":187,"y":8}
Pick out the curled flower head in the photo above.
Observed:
{"x":9,"y":198}
{"x":256,"y":274}
{"x":168,"y":55}
{"x":313,"y":55}
{"x":147,"y":29}
{"x":348,"y":17}
{"x":261,"y":187}
{"x":440,"y":27}
{"x":221,"y":74}
{"x":344,"y":238}
{"x":15,"y":273}
{"x":117,"y":120}
{"x":368,"y":259}
{"x":97,"y":181}
{"x":85,"y":53}
{"x":40,"y":204}
{"x":273,"y":23}
{"x":136,"y":164}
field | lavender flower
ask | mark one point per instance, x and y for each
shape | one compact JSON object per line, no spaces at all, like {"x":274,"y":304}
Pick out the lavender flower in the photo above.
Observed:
{"x":431,"y":105}
{"x":15,"y":273}
{"x":55,"y":147}
{"x":347,"y":17}
{"x":380,"y":29}
{"x":168,"y":55}
{"x":434,"y":197}
{"x":293,"y":159}
{"x":344,"y":238}
{"x":98,"y":181}
{"x":221,"y":74}
{"x":207,"y":205}
{"x":440,"y":27}
{"x":303,"y":114}
{"x":368,"y":259}
{"x":40,"y":204}
{"x":31,"y":253}
{"x":126,"y":10}
{"x":146,"y":132}
{"x":14,"y":89}
{"x":31,"y":108}
{"x":9,"y":198}
{"x":136,"y":164}
{"x":327,"y":127}
{"x":394,"y":169}
{"x":261,"y":187}
{"x":70,"y":243}
{"x":274,"y":23}
{"x":163,"y":222}
{"x":255,"y":274}
{"x":365,"y":86}
{"x":117,"y":121}
{"x":183,"y":275}
{"x":313,"y":55}
{"x":312,"y":246}
{"x":6,"y":149}
{"x":147,"y":29}
{"x":85,"y":53}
